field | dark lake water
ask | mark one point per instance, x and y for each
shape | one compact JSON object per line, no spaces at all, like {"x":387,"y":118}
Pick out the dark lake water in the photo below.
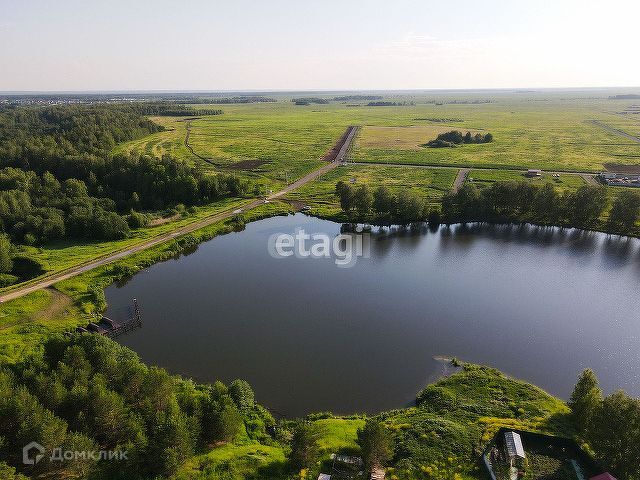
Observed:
{"x":538,"y":303}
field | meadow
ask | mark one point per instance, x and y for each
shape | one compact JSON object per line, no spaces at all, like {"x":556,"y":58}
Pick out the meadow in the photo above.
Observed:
{"x":546,"y":130}
{"x":563,"y":182}
{"x":272,"y":144}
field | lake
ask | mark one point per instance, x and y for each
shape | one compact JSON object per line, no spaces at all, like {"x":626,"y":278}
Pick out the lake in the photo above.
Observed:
{"x":538,"y":303}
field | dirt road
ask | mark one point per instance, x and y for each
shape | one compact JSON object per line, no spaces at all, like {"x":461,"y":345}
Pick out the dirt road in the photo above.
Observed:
{"x":460,"y":179}
{"x":615,"y":131}
{"x":78,"y":269}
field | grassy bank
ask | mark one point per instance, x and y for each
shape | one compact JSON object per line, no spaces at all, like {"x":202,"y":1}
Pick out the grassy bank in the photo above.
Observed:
{"x":443,"y":436}
{"x":27,"y":321}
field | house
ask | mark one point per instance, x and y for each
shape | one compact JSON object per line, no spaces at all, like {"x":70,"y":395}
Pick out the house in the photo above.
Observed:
{"x":620,"y":179}
{"x":534,"y":173}
{"x":514,"y":448}
{"x":324,"y":476}
{"x":603,"y":476}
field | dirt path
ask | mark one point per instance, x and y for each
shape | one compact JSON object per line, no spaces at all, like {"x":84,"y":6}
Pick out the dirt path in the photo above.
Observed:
{"x":59,"y":303}
{"x":190,"y":148}
{"x":459,"y":181}
{"x":589,"y":179}
{"x":456,"y":167}
{"x":615,"y":131}
{"x":77,"y":270}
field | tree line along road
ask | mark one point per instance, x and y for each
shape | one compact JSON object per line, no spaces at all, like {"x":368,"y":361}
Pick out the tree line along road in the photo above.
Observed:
{"x":344,"y":145}
{"x":83,"y":267}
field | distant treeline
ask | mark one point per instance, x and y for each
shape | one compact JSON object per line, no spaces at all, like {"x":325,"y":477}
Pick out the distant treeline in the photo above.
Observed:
{"x":524,"y":202}
{"x":467,"y":102}
{"x":442,"y":120}
{"x":172,"y":110}
{"x":390,"y":104}
{"x":232,"y":100}
{"x":455,"y":137}
{"x":349,"y":98}
{"x":310,"y":100}
{"x":627,"y":96}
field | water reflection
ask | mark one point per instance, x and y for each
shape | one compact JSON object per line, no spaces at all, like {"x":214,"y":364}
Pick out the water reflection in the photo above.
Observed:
{"x":533,"y":301}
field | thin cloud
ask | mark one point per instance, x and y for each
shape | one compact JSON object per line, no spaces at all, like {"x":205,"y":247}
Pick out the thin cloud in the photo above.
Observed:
{"x":413,"y":46}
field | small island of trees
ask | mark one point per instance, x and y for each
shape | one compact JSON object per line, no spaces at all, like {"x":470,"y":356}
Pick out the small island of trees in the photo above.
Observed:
{"x":456,"y":137}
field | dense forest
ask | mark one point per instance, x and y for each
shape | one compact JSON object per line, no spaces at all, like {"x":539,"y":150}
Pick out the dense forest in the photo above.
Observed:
{"x":168,"y":109}
{"x":86,"y":393}
{"x":58,"y":178}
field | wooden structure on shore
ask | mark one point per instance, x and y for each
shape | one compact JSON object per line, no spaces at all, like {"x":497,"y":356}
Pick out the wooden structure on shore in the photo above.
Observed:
{"x":111,"y":328}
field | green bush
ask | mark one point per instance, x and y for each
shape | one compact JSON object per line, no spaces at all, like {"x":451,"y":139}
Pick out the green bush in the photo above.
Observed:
{"x":7,"y":279}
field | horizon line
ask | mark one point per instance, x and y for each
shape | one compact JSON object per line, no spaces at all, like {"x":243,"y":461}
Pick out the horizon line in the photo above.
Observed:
{"x":276,"y":90}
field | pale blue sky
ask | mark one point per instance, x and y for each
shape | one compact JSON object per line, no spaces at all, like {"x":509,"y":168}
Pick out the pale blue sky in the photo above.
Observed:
{"x":314,"y":44}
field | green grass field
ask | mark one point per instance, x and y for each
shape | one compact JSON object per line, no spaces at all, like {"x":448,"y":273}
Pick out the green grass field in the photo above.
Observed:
{"x":551,"y":131}
{"x":562,"y":183}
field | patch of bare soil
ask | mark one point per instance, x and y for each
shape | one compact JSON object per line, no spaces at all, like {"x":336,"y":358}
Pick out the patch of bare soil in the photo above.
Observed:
{"x":297,"y":204}
{"x":621,"y":168}
{"x":161,"y":221}
{"x":247,"y":164}
{"x":59,"y":303}
{"x":331,"y":155}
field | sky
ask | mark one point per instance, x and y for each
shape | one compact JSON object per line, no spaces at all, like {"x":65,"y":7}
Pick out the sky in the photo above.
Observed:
{"x":83,"y":45}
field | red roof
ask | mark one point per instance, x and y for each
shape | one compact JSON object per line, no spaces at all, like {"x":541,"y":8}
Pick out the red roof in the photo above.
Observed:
{"x":603,"y":476}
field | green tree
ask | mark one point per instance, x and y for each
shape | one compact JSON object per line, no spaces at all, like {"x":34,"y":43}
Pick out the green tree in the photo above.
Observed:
{"x":228,"y":422}
{"x":614,"y":434}
{"x":363,"y":200}
{"x":626,"y":210}
{"x":346,"y":194}
{"x":409,"y":207}
{"x":6,"y":264}
{"x":304,"y":446}
{"x":383,"y":201}
{"x":546,"y":203}
{"x":585,"y":399}
{"x":9,"y":473}
{"x":376,"y":444}
{"x":242,"y":394}
{"x":587,"y":204}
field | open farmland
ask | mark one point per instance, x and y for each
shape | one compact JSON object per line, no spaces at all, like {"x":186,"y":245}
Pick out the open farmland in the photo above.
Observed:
{"x":546,"y":130}
{"x":548,"y":134}
{"x":563,"y":182}
{"x":402,"y":138}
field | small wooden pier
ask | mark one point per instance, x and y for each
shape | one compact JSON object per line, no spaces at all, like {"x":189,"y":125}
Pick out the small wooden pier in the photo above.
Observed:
{"x":111,"y":328}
